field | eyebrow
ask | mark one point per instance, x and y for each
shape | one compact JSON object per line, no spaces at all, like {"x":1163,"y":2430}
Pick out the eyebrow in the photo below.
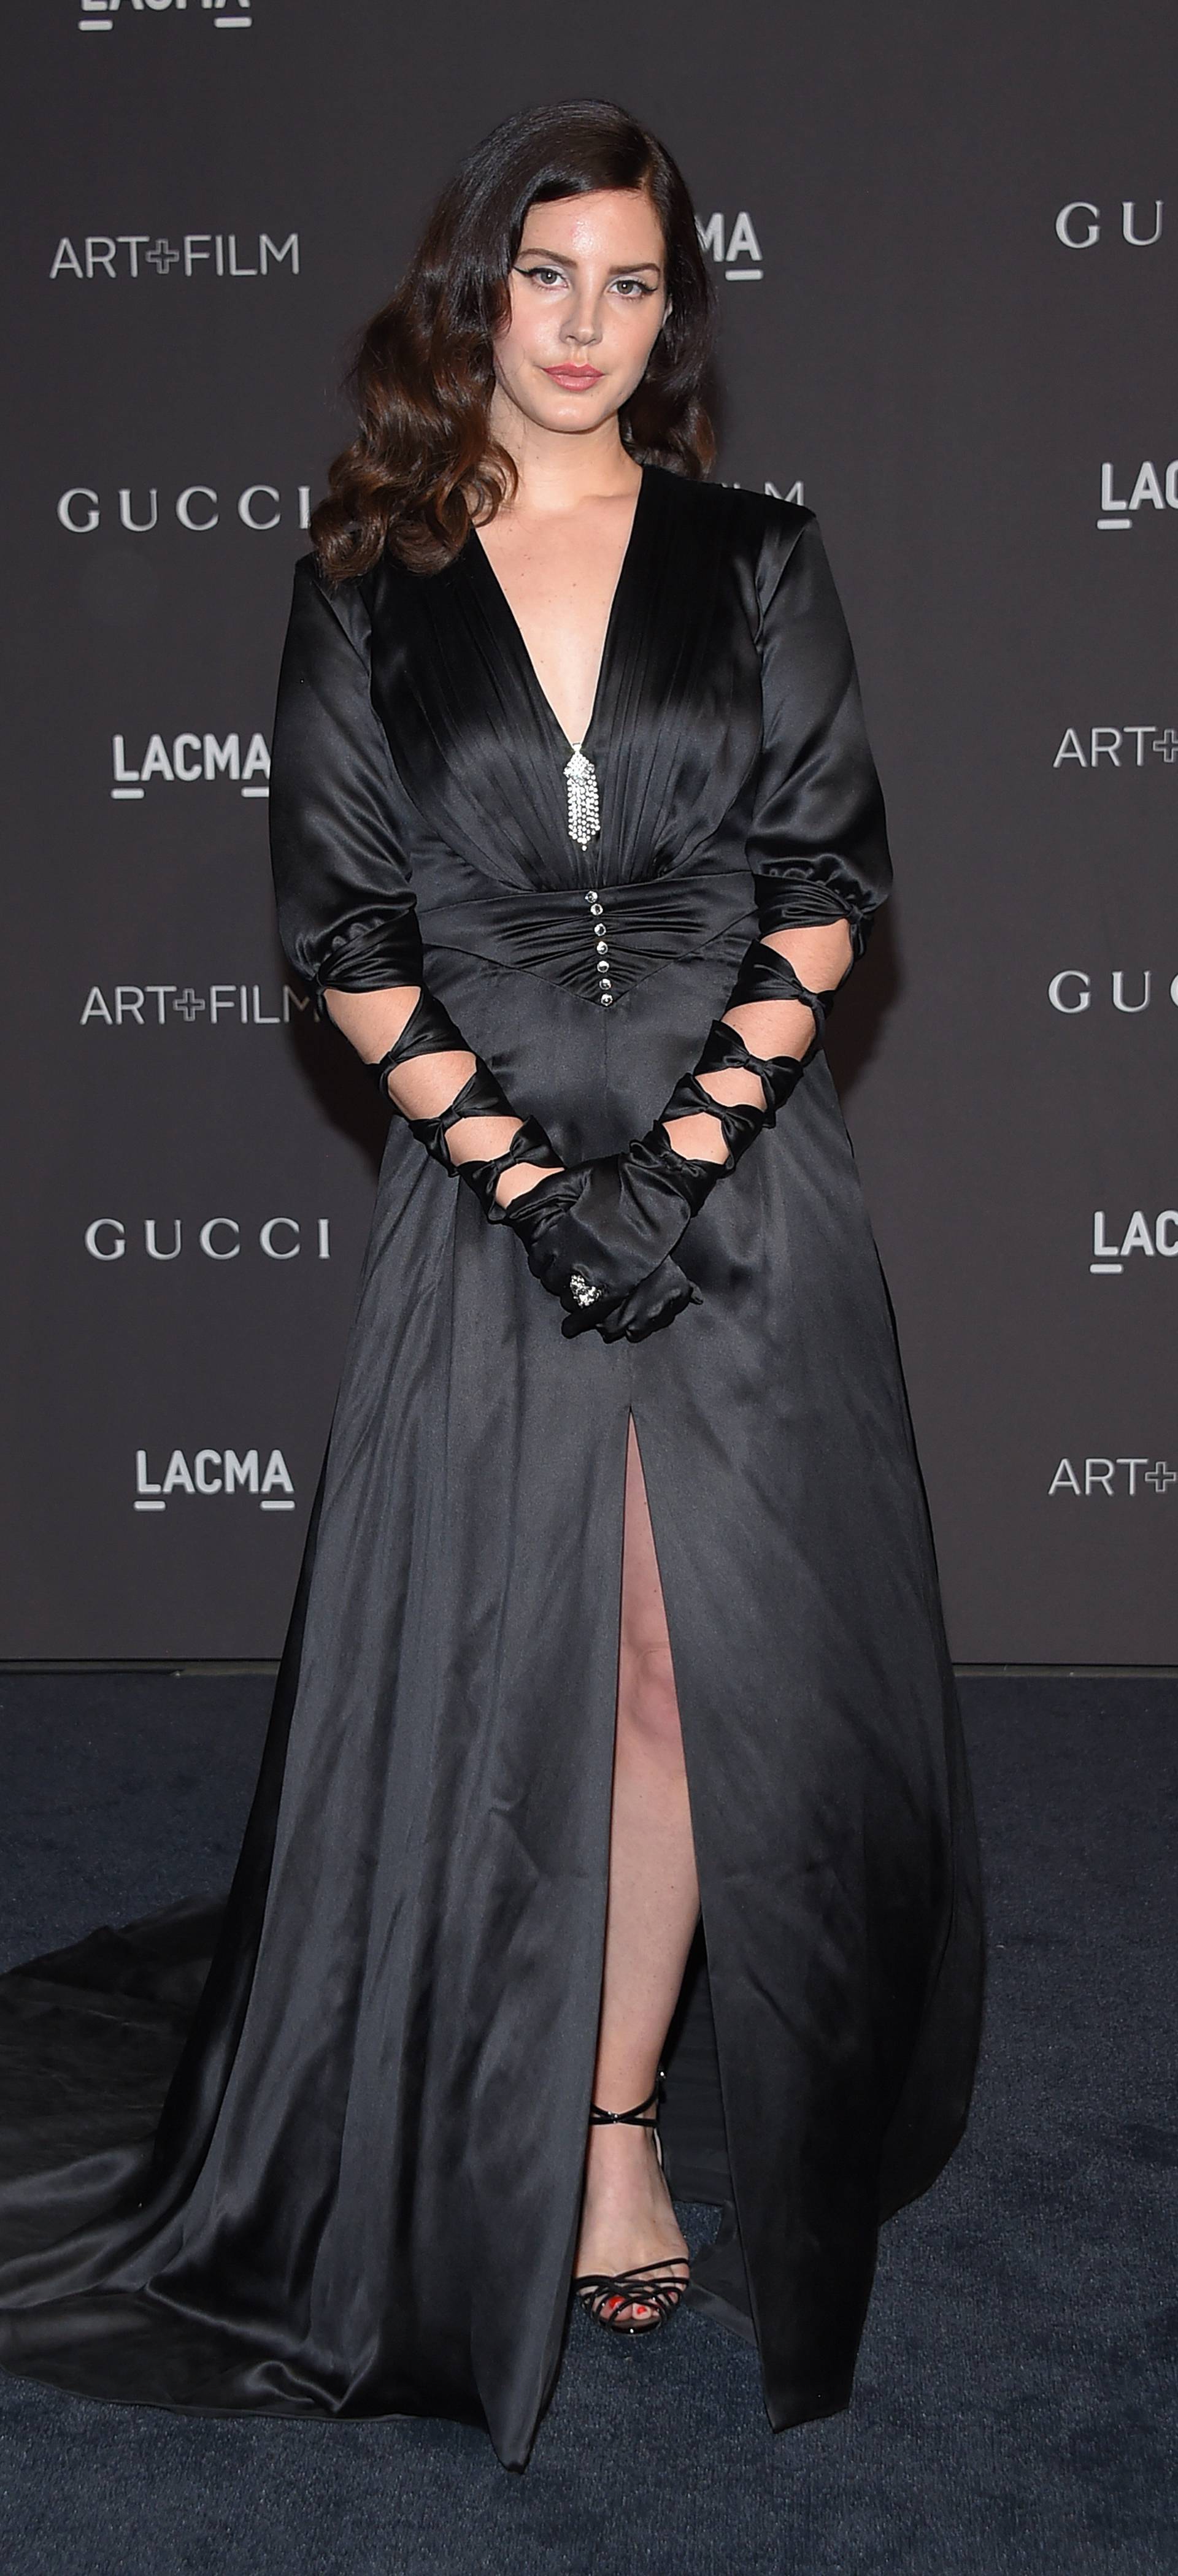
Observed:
{"x":563,"y":259}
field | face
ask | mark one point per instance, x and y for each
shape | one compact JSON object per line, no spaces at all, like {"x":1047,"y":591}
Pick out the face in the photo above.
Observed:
{"x":588,"y":295}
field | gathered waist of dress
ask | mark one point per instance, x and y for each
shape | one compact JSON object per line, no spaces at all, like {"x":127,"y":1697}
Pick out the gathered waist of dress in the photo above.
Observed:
{"x":598,"y":941}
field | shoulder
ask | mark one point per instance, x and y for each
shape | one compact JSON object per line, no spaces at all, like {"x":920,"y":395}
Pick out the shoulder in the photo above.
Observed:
{"x":757,"y":529}
{"x":346,"y":605}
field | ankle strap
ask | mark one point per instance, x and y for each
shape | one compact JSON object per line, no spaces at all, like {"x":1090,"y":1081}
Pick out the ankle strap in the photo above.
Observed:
{"x":633,"y":2119}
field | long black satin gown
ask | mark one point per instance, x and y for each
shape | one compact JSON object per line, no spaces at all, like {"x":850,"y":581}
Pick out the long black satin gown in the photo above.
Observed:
{"x":362,"y":2195}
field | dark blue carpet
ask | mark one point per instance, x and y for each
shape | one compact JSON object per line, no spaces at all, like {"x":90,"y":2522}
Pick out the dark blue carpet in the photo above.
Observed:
{"x":1015,"y":2407}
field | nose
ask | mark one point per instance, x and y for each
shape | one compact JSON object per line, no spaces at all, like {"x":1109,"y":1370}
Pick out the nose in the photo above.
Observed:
{"x":582,"y":326}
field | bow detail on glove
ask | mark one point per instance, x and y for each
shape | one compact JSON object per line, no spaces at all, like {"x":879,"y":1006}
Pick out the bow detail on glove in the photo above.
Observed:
{"x":600,"y":1236}
{"x":429,"y":1030}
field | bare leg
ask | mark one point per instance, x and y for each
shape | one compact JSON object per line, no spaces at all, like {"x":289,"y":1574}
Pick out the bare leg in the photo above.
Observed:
{"x":653,"y":1908}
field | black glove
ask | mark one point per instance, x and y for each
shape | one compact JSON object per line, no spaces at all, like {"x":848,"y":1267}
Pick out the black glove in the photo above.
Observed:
{"x":550,"y":1220}
{"x":597,"y":1232}
{"x":429,"y":1030}
{"x":654,"y":1303}
{"x":600,"y":1234}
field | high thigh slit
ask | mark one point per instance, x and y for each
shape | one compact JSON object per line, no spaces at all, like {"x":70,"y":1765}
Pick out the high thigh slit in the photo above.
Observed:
{"x":651,"y":1911}
{"x":360,"y":2195}
{"x":648,"y":1732}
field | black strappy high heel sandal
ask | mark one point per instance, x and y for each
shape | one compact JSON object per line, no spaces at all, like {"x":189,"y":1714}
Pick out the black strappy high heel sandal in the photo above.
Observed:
{"x":648,"y":2285}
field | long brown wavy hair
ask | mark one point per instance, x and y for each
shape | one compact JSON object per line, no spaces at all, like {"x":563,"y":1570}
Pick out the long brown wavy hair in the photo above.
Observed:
{"x":423,"y":462}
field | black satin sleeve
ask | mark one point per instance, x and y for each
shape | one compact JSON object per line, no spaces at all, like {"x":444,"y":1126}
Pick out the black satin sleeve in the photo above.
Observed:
{"x":818,"y":844}
{"x":346,"y":913}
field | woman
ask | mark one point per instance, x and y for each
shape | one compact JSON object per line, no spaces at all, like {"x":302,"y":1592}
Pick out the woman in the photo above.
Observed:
{"x":618,"y":1618}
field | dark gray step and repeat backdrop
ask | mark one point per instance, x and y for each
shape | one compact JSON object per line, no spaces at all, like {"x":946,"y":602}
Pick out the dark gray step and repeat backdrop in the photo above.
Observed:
{"x":946,"y":244}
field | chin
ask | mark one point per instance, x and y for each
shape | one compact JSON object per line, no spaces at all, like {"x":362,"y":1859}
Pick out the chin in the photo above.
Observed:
{"x":573,"y":411}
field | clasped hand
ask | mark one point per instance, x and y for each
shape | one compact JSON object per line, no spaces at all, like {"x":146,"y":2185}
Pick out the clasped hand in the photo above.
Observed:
{"x":599,"y":1236}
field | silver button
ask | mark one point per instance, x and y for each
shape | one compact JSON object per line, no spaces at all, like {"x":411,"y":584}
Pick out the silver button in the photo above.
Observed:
{"x":604,"y":998}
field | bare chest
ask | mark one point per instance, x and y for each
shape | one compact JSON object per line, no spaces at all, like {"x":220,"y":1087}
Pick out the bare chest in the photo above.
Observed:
{"x":558,"y":576}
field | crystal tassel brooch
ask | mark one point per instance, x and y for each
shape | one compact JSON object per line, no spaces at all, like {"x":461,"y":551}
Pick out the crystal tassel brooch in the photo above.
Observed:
{"x":584,"y":812}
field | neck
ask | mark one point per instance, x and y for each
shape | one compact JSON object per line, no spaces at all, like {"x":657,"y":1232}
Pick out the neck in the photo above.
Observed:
{"x":558,"y":469}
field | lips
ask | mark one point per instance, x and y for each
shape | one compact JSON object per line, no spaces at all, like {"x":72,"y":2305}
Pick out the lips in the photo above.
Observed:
{"x":577,"y":378}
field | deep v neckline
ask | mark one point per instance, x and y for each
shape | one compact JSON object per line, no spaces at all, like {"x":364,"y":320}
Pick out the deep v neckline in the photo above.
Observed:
{"x":514,"y":631}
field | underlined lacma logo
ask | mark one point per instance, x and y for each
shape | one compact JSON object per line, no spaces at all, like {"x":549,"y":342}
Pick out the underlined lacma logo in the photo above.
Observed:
{"x":98,"y":17}
{"x":190,"y":760}
{"x":1127,"y":490}
{"x":214,"y":1473}
{"x":732,"y":242}
{"x":1149,"y":1236}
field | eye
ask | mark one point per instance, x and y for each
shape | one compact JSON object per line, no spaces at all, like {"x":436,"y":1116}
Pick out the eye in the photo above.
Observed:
{"x":545,"y":275}
{"x":632,"y":288}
